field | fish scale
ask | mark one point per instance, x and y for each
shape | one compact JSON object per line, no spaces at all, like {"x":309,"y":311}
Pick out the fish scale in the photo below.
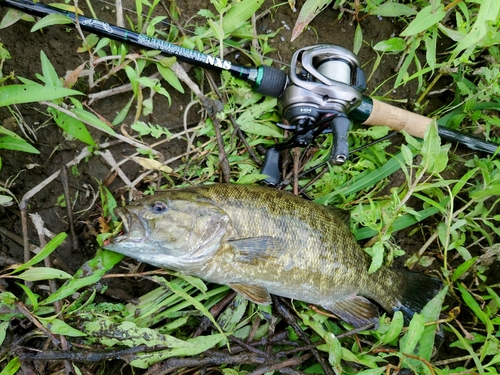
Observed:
{"x":263,"y":241}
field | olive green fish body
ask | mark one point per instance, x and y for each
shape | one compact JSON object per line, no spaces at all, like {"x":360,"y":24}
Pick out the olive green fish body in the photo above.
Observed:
{"x":259,"y":240}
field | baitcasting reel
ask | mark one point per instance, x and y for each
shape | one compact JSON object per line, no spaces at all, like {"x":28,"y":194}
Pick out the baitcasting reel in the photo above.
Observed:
{"x":326,"y":83}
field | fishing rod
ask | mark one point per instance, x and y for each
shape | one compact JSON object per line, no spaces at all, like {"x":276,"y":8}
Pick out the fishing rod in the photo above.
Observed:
{"x":265,"y":79}
{"x":323,"y":91}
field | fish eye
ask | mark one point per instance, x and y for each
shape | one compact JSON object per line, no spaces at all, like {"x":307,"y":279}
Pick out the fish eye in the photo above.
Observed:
{"x":159,"y":207}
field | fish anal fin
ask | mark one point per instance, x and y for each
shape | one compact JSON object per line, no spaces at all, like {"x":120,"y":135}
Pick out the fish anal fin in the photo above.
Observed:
{"x":357,"y":311}
{"x":252,"y":292}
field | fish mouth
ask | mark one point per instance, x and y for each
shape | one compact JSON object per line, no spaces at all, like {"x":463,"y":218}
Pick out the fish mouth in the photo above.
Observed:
{"x":134,"y":229}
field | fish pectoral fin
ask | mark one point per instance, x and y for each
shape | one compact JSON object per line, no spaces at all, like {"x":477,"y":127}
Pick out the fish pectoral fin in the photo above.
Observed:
{"x":249,"y":250}
{"x":357,"y":311}
{"x":252,"y":292}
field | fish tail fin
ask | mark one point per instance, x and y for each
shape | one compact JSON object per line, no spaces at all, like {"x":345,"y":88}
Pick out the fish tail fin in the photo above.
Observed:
{"x":416,"y":291}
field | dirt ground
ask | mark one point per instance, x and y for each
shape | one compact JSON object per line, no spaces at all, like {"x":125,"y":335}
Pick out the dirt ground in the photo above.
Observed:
{"x":22,"y":172}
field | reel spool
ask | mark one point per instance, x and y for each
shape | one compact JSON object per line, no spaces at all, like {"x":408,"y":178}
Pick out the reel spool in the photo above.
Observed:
{"x":325,"y":84}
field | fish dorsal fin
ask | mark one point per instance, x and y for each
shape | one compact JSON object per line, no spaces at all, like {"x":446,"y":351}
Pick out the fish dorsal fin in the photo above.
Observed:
{"x":250,"y":250}
{"x":357,"y":311}
{"x":254,"y":293}
{"x":343,"y":215}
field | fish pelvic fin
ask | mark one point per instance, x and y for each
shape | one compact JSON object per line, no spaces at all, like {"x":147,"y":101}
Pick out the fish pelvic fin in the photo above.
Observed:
{"x":252,"y":292}
{"x":416,"y":291}
{"x":357,"y":311}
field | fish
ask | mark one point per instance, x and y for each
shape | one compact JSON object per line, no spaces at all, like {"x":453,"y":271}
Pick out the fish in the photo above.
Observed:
{"x":262,"y":241}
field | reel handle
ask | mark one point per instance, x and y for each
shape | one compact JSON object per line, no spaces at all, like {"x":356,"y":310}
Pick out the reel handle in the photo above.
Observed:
{"x":340,"y":128}
{"x":271,"y":167}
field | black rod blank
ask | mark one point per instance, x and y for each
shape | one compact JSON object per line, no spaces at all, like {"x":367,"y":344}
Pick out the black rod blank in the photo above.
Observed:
{"x":264,"y":79}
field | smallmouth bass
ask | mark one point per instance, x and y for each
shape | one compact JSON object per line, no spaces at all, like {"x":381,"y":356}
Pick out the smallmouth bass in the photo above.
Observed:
{"x":261,"y":241}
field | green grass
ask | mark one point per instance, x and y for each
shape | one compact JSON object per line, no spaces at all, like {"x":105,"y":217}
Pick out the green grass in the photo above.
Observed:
{"x":458,"y":212}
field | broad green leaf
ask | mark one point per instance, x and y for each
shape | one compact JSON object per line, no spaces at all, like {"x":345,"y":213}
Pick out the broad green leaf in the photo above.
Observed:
{"x":180,"y":292}
{"x":451,"y":33}
{"x":358,"y":39}
{"x":392,"y":9}
{"x":10,"y":143}
{"x":425,"y":19}
{"x":108,"y":203}
{"x":73,"y":127}
{"x":132,"y":77}
{"x":334,"y":350}
{"x":425,"y":346}
{"x":109,"y":333}
{"x":59,"y":327}
{"x":50,"y":77}
{"x":93,"y":120}
{"x":12,"y":16}
{"x":410,"y":57}
{"x":251,"y":178}
{"x":169,"y":76}
{"x":232,"y":315}
{"x":45,"y":252}
{"x":373,"y":371}
{"x":431,"y":147}
{"x":239,"y":13}
{"x":365,"y":180}
{"x":5,"y":200}
{"x":33,"y":298}
{"x":362,"y":359}
{"x":430,"y":47}
{"x":8,"y":132}
{"x":91,"y":41}
{"x":474,"y":306}
{"x":486,"y":192}
{"x":200,"y":345}
{"x":407,"y":155}
{"x":216,"y":29}
{"x":248,"y":120}
{"x":122,"y":115}
{"x":395,"y":328}
{"x":90,"y":273}
{"x":377,"y":254}
{"x":43,"y":273}
{"x":3,"y":331}
{"x":409,"y":341}
{"x":463,"y":180}
{"x":309,"y":10}
{"x":67,"y":8}
{"x":468,"y":347}
{"x":12,"y":367}
{"x":29,"y":93}
{"x":488,"y":12}
{"x":392,"y":45}
{"x":194,"y":281}
{"x":265,"y":130}
{"x":50,"y":20}
{"x":463,"y":268}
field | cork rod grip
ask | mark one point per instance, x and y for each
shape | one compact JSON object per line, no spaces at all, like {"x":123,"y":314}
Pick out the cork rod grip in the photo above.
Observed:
{"x":397,"y":119}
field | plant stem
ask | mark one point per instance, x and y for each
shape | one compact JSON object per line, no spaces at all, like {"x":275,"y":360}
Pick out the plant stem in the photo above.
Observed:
{"x":451,"y":5}
{"x":431,"y":85}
